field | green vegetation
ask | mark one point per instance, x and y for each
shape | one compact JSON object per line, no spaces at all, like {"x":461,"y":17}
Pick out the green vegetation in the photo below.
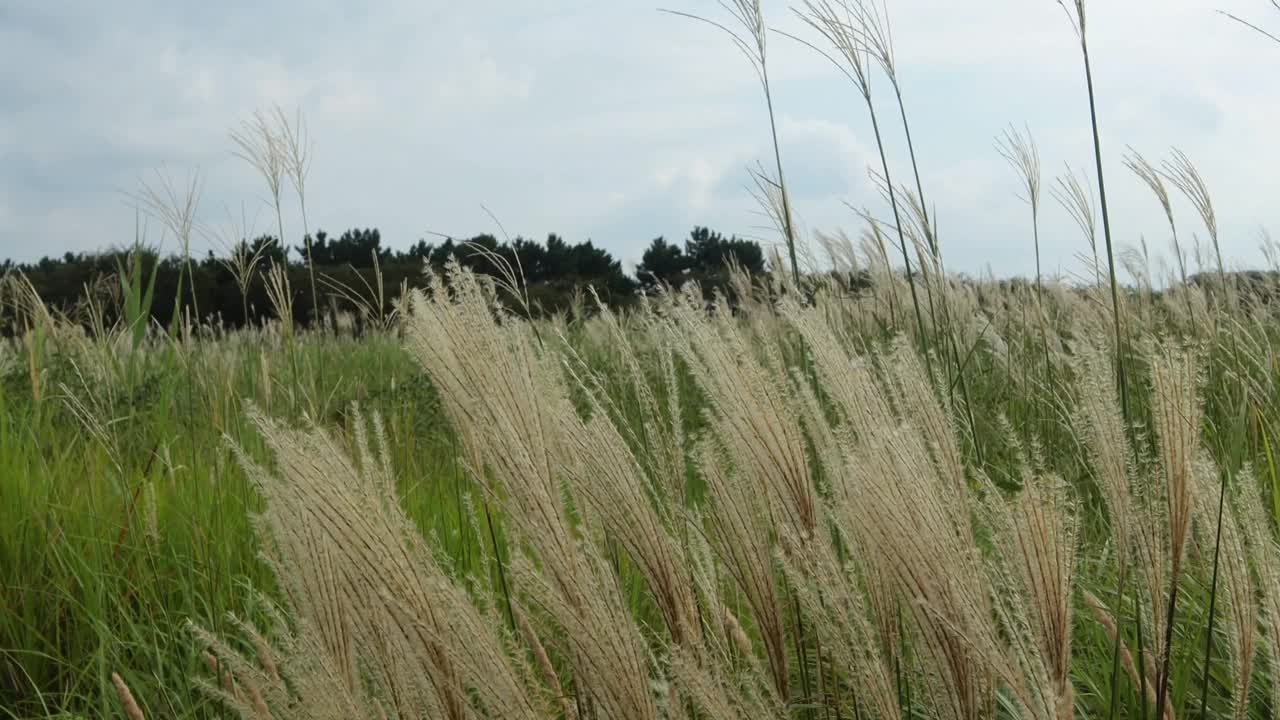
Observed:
{"x":126,"y":514}
{"x":360,"y":277}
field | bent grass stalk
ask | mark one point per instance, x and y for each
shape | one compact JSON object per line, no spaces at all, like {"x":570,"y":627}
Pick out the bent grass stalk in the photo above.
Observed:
{"x":834,"y":21}
{"x":1081,"y":28}
{"x":749,"y":34}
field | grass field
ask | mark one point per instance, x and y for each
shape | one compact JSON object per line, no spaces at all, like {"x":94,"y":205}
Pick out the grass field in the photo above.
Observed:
{"x":882,"y":491}
{"x":127,"y":514}
{"x":715,"y":477}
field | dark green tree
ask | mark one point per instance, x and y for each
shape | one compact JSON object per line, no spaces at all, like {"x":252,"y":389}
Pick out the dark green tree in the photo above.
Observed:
{"x":705,"y":257}
{"x":662,"y":262}
{"x":708,"y":252}
{"x":356,"y":248}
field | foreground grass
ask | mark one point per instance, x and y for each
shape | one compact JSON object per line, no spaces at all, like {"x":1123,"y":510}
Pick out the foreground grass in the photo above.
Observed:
{"x":129,"y":517}
{"x":125,"y":515}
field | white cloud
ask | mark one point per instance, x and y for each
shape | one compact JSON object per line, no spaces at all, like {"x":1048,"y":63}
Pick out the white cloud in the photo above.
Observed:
{"x":613,"y":121}
{"x":348,"y":98}
{"x":481,"y":83}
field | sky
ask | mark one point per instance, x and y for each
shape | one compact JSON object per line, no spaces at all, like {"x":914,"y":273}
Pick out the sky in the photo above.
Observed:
{"x":611,"y":121}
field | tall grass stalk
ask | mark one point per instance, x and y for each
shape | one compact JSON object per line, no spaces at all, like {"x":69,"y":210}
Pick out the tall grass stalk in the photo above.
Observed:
{"x":175,"y":207}
{"x":877,"y":38}
{"x":266,"y":147}
{"x":747,"y":30}
{"x":1021,"y":153}
{"x":1151,"y":177}
{"x":242,"y":260}
{"x":1176,"y":416}
{"x":1213,"y":598}
{"x":1183,"y":175}
{"x":838,"y":24}
{"x":1080,"y":25}
{"x":1254,"y":27}
{"x":294,"y":144}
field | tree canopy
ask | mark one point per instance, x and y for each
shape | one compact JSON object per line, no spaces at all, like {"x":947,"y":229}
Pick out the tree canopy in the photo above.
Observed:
{"x":705,"y":258}
{"x":230,"y":287}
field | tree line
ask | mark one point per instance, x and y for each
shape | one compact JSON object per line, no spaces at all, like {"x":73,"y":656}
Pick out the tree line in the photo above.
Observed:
{"x":357,"y":274}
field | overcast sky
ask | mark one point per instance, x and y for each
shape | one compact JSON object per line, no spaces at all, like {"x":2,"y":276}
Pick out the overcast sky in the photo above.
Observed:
{"x":605,"y":119}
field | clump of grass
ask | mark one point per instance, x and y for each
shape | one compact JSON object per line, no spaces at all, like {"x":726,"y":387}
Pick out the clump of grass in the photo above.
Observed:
{"x":243,"y":260}
{"x":1151,"y":177}
{"x":176,"y":206}
{"x":1182,"y":174}
{"x":1020,"y":151}
{"x":279,"y":149}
